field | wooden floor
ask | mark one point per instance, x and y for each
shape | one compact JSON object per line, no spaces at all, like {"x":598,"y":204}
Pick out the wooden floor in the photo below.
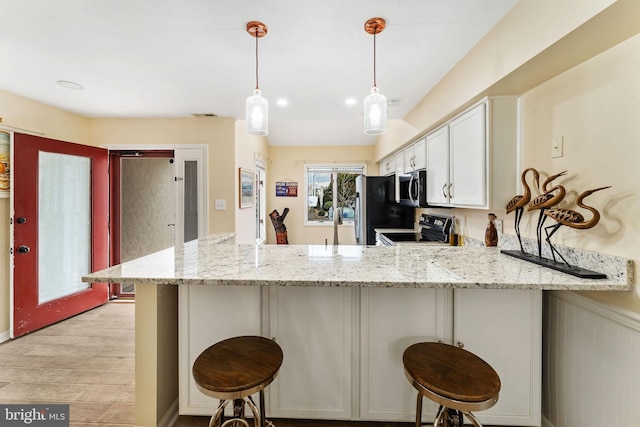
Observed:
{"x":88,"y":362}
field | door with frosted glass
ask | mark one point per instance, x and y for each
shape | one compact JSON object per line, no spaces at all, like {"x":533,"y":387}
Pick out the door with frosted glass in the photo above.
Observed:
{"x":60,"y":230}
{"x":190,"y":192}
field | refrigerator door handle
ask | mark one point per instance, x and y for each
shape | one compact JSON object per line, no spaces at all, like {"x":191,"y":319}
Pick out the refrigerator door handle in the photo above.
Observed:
{"x":356,"y":217}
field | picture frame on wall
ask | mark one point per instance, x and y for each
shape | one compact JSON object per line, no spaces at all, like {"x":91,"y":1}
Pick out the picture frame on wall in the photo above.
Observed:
{"x":5,"y":166}
{"x":246,"y":188}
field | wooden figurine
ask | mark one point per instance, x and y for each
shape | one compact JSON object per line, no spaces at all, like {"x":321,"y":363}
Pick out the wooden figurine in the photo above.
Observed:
{"x":491,"y":234}
{"x":278,"y":224}
{"x":550,"y":197}
{"x":572,"y":219}
{"x":517,"y":203}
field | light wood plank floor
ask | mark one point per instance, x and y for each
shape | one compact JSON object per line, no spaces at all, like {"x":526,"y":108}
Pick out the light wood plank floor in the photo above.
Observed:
{"x":86,"y":361}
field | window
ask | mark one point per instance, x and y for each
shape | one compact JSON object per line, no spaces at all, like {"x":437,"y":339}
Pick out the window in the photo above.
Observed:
{"x":328,"y":187}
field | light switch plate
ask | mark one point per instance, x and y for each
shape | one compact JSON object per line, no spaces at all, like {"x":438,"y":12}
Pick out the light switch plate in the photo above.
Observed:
{"x":557,"y":147}
{"x":498,"y":224}
{"x":220,"y":205}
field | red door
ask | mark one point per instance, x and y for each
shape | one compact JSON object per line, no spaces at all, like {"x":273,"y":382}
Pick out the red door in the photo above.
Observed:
{"x":60,"y":230}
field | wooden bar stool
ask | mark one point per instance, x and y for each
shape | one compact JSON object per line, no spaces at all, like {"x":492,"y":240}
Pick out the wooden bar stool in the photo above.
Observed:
{"x":456,"y":379}
{"x":233,"y":370}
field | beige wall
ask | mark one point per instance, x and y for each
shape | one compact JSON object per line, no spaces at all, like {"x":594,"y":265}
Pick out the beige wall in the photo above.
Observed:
{"x":288,"y":163}
{"x":217,"y":133}
{"x":248,"y":149}
{"x":595,"y":107}
{"x":576,"y":65}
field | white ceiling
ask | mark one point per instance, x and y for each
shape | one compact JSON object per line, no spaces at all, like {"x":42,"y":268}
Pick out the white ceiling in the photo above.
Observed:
{"x":172,"y":58}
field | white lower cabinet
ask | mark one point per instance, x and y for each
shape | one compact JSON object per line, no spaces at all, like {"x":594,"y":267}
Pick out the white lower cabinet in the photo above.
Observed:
{"x":391,"y":320}
{"x":315,"y":327}
{"x":343,"y":346}
{"x":504,"y":327}
{"x":208,"y":314}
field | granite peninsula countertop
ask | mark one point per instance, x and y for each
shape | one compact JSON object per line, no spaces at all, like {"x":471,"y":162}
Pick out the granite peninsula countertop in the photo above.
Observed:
{"x":216,"y":260}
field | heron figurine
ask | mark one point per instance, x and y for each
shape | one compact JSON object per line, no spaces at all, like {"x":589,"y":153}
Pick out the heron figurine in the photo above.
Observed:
{"x":550,"y":197}
{"x":517,"y":203}
{"x":572,"y":219}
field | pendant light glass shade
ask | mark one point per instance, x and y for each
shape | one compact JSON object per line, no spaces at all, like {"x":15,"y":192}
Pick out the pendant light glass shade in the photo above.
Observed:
{"x":375,"y":113}
{"x":257,"y":111}
{"x":257,"y":114}
{"x":375,"y":105}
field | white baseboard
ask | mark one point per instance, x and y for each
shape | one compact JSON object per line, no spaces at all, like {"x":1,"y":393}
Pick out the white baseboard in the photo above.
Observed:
{"x":171,"y":416}
{"x":590,"y":362}
{"x":5,"y":336}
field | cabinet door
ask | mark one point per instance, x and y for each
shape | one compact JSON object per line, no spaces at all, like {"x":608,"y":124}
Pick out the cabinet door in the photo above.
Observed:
{"x":388,"y":166}
{"x":503,"y":327}
{"x":206,"y":316}
{"x":314,"y":327}
{"x":399,"y":162}
{"x":438,"y":167}
{"x":469,"y":158}
{"x":409,"y":159}
{"x":420,"y":154}
{"x":391,"y":320}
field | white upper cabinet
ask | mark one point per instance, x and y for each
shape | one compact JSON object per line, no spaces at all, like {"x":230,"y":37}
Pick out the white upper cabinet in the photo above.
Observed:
{"x":468,"y":161}
{"x":471,"y":160}
{"x":415,"y":156}
{"x":438,"y":167}
{"x":388,"y":165}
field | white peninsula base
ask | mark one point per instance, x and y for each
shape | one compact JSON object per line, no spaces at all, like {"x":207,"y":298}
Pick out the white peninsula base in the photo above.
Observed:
{"x":343,"y":346}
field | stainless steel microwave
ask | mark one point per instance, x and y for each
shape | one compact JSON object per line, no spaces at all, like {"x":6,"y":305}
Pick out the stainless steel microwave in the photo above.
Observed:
{"x":413,"y":189}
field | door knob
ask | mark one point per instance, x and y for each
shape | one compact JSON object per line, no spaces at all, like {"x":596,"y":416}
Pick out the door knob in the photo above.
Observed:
{"x":24,"y":249}
{"x":22,"y":220}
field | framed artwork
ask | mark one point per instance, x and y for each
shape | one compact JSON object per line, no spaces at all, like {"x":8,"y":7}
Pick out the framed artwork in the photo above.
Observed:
{"x":246,"y":188}
{"x":4,"y":163}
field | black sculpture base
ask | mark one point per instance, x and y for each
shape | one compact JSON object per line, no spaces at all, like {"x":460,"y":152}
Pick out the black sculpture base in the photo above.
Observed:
{"x":559,"y":266}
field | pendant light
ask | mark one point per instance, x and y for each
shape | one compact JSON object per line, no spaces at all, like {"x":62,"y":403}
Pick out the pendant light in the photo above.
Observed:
{"x":257,"y":114}
{"x":375,"y":105}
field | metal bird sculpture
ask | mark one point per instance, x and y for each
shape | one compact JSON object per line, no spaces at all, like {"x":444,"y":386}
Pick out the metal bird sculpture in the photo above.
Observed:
{"x":550,"y":197}
{"x":517,"y":203}
{"x":572,"y":219}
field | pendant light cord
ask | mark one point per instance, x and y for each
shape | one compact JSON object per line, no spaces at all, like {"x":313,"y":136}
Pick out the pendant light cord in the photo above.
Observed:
{"x":374,"y":58}
{"x":257,"y":86}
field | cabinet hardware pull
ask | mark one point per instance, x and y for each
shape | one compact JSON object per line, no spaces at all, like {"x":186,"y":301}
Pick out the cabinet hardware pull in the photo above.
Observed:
{"x":443,"y":193}
{"x":450,"y":195}
{"x":460,"y":344}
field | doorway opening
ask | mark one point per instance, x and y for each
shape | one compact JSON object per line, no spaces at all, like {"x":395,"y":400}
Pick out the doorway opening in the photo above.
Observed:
{"x":142,"y":207}
{"x":158,"y":200}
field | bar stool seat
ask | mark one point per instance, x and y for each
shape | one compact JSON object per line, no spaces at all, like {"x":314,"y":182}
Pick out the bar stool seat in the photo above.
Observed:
{"x":234,"y":369}
{"x":454,"y":378}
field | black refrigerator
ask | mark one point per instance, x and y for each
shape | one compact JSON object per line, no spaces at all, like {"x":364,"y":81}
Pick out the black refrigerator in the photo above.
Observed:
{"x":376,"y":207}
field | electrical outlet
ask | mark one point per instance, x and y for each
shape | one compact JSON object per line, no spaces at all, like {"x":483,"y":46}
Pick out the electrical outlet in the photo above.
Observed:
{"x":498,"y":224}
{"x":557,"y":147}
{"x":220,"y":205}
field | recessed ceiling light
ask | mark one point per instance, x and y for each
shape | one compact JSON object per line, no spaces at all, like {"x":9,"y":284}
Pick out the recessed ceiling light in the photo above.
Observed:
{"x":350,"y":101}
{"x":282,"y":102}
{"x":70,"y":85}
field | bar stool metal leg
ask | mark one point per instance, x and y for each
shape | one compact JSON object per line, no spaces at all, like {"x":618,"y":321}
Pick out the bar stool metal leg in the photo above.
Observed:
{"x":419,"y":411}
